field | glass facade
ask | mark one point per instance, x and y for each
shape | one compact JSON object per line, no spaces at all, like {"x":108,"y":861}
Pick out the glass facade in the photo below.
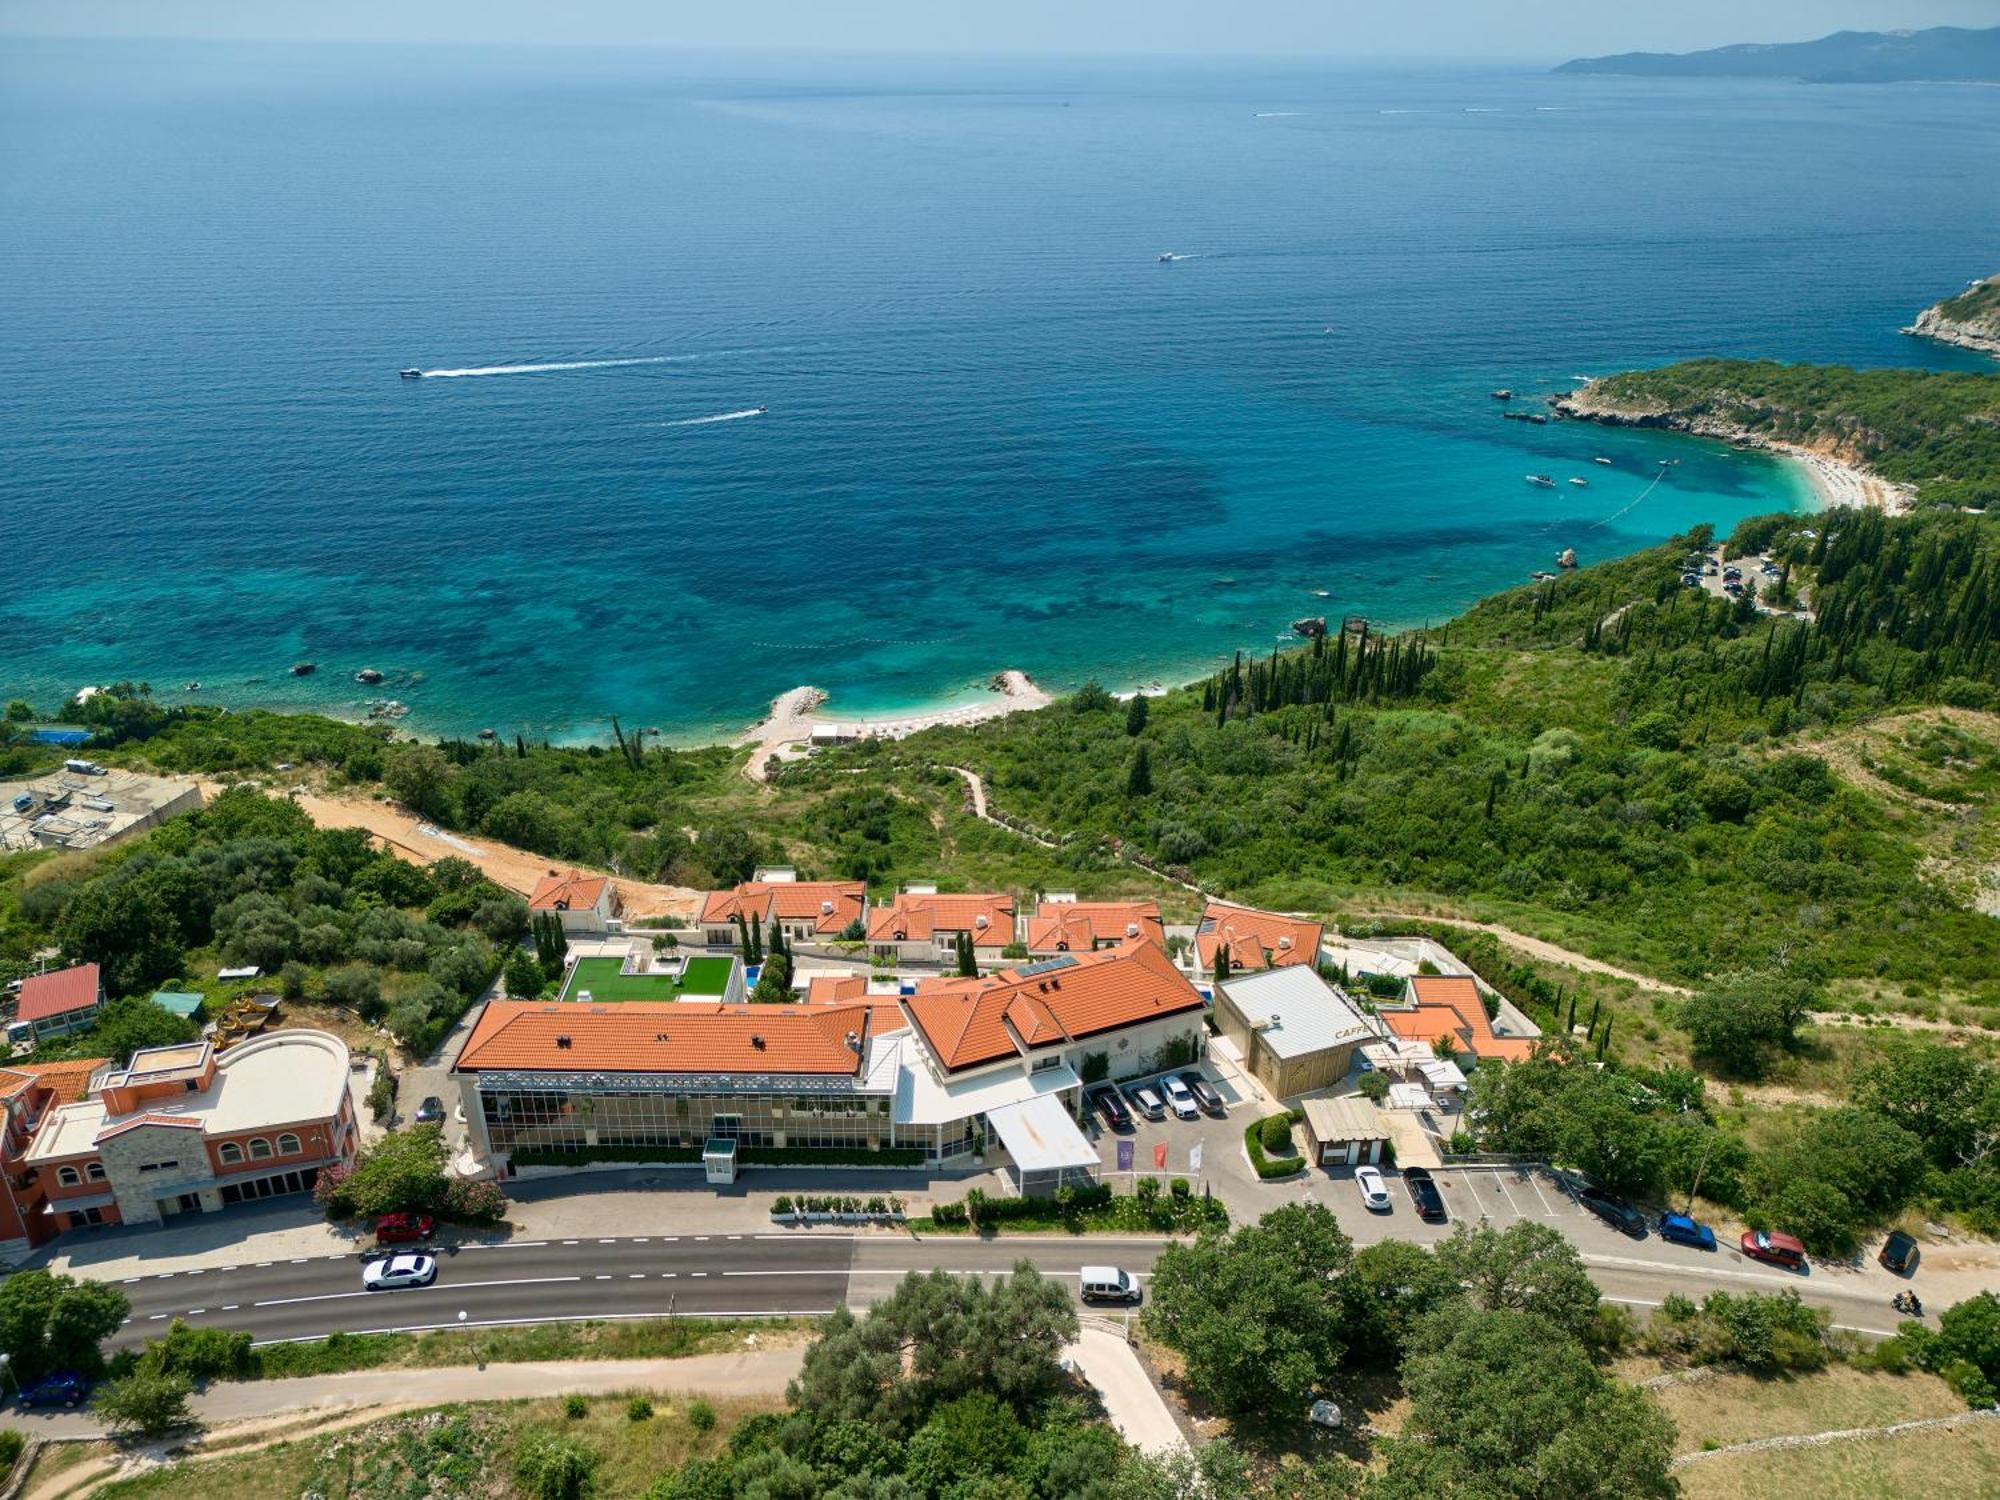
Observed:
{"x":520,"y":1118}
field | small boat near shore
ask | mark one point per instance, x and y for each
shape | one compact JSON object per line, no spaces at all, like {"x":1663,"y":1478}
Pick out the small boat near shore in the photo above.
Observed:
{"x":1582,"y":484}
{"x":1605,"y":461}
{"x":1540,"y":481}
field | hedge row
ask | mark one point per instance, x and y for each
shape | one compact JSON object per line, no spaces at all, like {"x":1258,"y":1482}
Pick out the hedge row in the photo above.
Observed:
{"x":749,"y":1156}
{"x":1254,"y":1139}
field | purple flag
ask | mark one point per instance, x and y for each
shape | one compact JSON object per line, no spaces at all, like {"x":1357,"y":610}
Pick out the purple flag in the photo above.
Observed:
{"x":1124,"y":1156}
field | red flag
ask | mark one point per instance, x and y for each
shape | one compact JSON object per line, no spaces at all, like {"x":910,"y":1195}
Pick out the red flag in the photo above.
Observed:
{"x":1160,"y":1156}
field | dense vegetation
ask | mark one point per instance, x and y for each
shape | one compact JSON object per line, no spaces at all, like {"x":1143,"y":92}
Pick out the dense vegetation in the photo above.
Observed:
{"x":1978,"y":305}
{"x":250,"y":880}
{"x":1936,"y":430}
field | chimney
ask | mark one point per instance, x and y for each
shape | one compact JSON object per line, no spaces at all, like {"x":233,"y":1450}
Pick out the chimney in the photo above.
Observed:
{"x":562,"y":1042}
{"x":826,"y":908}
{"x":982,"y":921}
{"x":853,"y":1041}
{"x":1131,"y":929}
{"x":1284,"y":943}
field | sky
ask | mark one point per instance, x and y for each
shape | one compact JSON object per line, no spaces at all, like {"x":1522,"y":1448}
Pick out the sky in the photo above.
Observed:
{"x":1458,"y":30}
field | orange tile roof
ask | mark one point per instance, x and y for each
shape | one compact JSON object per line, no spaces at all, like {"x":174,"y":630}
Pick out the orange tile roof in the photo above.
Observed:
{"x":1256,"y":939}
{"x":575,"y":891}
{"x":1079,"y":926}
{"x":65,"y":990}
{"x":832,"y":989}
{"x":1450,"y":1004}
{"x":688,"y":1036}
{"x":918,"y":917}
{"x":68,"y":1081}
{"x":967,"y":1022}
{"x":831,"y":904}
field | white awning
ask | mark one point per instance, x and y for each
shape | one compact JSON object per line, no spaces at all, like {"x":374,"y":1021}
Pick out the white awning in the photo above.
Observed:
{"x":1408,"y":1096}
{"x":1040,"y":1135}
{"x":1440,"y":1073}
{"x":922,"y":1100}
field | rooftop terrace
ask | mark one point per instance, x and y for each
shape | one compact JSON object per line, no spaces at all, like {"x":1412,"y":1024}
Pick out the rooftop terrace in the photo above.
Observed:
{"x":704,"y":978}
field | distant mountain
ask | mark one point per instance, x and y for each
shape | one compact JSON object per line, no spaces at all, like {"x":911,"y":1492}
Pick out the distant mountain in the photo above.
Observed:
{"x":1943,"y":54}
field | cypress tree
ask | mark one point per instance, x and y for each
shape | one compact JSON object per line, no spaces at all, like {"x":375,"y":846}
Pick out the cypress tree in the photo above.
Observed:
{"x":1139,"y":781}
{"x":1135,"y":714}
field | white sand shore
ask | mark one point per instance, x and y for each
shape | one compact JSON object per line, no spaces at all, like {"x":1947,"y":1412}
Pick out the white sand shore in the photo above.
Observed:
{"x":795,"y":716}
{"x":1836,"y":481}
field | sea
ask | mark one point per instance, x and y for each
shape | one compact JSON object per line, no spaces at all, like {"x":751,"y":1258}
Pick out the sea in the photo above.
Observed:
{"x":879,"y":375}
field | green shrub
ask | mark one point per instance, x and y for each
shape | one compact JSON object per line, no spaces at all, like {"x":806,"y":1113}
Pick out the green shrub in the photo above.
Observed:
{"x":782,"y":1204}
{"x":575,"y":1408}
{"x":11,"y":1444}
{"x":638,"y":1409}
{"x":1278,"y":1127}
{"x":554,"y":1466}
{"x":701,"y":1416}
{"x":200,"y":1353}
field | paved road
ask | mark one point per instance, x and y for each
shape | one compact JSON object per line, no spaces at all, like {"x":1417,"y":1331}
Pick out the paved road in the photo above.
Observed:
{"x":751,"y":1274}
{"x":629,"y":1277}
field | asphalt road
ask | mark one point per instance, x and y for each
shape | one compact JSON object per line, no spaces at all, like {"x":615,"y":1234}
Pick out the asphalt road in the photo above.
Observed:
{"x":764,"y":1274}
{"x":543,"y":1280}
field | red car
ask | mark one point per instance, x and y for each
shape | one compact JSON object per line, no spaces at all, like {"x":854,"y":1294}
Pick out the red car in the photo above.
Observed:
{"x":403,"y":1229}
{"x":1774,"y":1249}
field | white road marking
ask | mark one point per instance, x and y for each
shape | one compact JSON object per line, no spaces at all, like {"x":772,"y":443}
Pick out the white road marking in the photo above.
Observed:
{"x":456,"y":1286}
{"x":635,"y":1275}
{"x":195,"y":1312}
{"x":600,"y":1278}
{"x":569,"y":1242}
{"x":231,"y":1306}
{"x":156,"y":1317}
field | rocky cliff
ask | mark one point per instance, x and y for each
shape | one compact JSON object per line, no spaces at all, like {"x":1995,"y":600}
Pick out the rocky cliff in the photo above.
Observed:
{"x":1970,"y":320}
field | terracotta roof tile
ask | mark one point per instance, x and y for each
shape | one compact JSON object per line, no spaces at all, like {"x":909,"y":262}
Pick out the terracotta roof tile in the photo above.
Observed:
{"x":919,"y":916}
{"x":831,"y":904}
{"x":967,"y":1022}
{"x":1450,"y":1004}
{"x":1079,"y":926}
{"x":575,"y":891}
{"x":689,"y":1036}
{"x":68,"y":1081}
{"x":65,"y":990}
{"x":1256,"y":939}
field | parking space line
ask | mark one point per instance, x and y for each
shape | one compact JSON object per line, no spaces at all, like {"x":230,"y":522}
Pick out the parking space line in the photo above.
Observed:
{"x":1535,"y":1182}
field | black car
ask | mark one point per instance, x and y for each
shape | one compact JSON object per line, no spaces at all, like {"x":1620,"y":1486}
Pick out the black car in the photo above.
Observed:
{"x":1109,"y":1105}
{"x":1204,"y":1094}
{"x":1424,"y":1193}
{"x":1899,"y":1253}
{"x":1614,"y":1211}
{"x":61,"y":1388}
{"x":431,"y":1111}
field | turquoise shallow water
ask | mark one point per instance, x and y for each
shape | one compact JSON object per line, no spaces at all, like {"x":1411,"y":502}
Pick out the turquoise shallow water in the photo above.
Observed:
{"x":999,"y":431}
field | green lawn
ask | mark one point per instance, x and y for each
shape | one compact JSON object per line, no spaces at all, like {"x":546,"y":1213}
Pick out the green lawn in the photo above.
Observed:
{"x":704,"y":979}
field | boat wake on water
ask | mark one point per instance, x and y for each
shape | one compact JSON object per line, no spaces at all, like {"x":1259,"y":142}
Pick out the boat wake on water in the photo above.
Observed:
{"x":723,"y":416}
{"x":570,"y":364}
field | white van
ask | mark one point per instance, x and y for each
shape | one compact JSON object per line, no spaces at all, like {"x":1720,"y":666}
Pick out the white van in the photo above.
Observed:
{"x":1109,"y":1284}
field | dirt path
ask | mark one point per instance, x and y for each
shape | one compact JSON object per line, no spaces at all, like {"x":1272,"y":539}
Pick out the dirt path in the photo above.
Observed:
{"x":406,"y":835}
{"x":1536,"y":948}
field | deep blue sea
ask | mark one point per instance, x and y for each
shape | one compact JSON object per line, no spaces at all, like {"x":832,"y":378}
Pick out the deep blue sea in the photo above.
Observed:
{"x":996,"y":430}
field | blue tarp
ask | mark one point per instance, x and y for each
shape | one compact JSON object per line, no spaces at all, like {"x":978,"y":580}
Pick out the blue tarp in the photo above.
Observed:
{"x":56,"y":736}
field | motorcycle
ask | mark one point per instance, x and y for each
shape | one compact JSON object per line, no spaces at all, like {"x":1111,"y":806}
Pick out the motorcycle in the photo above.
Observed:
{"x":1907,"y":1302}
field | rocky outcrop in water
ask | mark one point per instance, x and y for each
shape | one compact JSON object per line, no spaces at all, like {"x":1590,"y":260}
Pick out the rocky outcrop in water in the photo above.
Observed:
{"x":1971,"y":320}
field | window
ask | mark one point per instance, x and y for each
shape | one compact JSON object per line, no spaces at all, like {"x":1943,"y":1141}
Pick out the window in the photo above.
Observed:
{"x":159,"y":1166}
{"x":68,"y":1177}
{"x":260,"y":1148}
{"x":288,"y":1145}
{"x":229,"y":1153}
{"x":94,"y":1172}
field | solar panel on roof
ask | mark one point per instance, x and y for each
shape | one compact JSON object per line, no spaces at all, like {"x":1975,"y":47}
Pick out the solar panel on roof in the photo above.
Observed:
{"x":1047,"y":964}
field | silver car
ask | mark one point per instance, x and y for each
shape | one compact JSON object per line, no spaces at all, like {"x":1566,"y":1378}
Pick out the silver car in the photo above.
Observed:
{"x":394,"y":1272}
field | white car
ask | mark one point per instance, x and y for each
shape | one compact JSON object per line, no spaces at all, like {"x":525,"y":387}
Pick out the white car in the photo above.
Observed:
{"x":397,"y":1271}
{"x":1374,"y":1192}
{"x":1180,"y":1098}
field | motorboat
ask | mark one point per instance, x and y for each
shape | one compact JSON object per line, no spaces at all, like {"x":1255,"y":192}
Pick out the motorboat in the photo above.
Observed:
{"x":1541,"y":480}
{"x":1167,"y":257}
{"x":411,"y":374}
{"x":1605,"y":461}
{"x":1582,"y":484}
{"x":1503,"y":394}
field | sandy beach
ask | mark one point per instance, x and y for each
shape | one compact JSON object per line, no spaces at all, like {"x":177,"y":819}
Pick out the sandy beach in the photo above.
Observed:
{"x":795,"y":716}
{"x":1836,"y":481}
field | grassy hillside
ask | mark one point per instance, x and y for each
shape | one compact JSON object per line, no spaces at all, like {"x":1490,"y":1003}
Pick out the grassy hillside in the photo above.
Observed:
{"x":1938,"y":431}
